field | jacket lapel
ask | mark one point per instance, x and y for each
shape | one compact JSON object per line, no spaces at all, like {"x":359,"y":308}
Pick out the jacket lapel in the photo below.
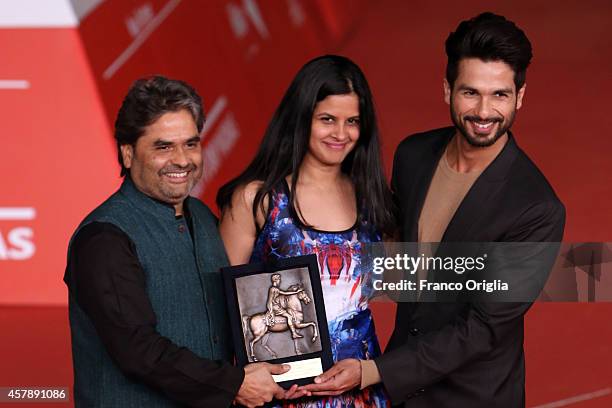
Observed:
{"x":422,"y":180}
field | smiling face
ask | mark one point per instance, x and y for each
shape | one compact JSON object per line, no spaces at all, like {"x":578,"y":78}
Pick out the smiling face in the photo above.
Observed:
{"x":166,"y":161}
{"x":335,"y":129}
{"x":483,"y":100}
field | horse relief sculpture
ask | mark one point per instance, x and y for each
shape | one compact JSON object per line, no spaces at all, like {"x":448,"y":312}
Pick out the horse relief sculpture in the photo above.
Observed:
{"x":283,"y":314}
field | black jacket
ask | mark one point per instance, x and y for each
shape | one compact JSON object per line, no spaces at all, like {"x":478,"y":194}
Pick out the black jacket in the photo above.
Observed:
{"x":466,"y":354}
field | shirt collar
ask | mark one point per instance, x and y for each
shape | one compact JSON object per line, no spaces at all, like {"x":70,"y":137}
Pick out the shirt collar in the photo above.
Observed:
{"x":147,"y":203}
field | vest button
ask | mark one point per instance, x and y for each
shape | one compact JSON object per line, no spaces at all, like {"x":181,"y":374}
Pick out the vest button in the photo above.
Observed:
{"x":414,"y":331}
{"x":181,"y":228}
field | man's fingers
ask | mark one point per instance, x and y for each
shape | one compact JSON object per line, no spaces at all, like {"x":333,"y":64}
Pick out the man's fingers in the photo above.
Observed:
{"x":328,"y":375}
{"x":301,"y":393}
{"x":323,"y":393}
{"x":296,"y":392}
{"x":325,"y":386}
{"x":291,"y":392}
{"x":278,"y":368}
{"x":279,"y":393}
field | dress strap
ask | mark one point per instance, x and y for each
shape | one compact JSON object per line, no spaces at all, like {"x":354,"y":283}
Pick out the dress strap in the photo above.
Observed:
{"x":273,"y":200}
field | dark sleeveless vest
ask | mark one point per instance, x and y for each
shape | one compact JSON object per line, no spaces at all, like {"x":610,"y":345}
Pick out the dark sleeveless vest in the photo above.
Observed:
{"x":183,"y":284}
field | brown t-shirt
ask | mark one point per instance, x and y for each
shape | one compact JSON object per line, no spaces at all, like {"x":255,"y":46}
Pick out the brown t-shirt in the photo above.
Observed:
{"x":446,"y":192}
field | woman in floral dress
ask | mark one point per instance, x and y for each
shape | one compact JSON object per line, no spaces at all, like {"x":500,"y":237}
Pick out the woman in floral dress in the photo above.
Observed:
{"x":316,"y":186}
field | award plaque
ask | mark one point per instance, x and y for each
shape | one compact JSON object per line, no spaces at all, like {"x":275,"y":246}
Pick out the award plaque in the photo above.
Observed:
{"x":277,"y":315}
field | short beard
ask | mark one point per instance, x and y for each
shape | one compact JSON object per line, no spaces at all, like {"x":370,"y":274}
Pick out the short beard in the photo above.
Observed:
{"x":481,"y":142}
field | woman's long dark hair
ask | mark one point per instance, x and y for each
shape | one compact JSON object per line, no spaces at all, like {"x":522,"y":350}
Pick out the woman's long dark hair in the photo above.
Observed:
{"x":286,"y":139}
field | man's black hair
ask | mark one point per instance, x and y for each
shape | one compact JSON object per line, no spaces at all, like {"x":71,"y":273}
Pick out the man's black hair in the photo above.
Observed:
{"x":489,"y":37}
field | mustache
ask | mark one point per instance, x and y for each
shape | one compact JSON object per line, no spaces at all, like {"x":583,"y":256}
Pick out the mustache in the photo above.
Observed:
{"x":479,"y":119}
{"x":177,"y":169}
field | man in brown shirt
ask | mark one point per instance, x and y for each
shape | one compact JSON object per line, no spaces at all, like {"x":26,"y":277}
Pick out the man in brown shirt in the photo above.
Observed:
{"x":466,"y":183}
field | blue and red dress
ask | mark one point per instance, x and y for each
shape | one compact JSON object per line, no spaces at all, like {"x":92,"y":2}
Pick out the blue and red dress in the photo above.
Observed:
{"x":345,"y":289}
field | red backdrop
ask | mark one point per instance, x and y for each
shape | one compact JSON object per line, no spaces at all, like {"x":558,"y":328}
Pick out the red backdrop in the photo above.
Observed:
{"x":59,"y":159}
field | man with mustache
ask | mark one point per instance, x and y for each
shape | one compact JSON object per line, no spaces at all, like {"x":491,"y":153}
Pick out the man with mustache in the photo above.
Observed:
{"x":466,"y":183}
{"x":147,"y":312}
